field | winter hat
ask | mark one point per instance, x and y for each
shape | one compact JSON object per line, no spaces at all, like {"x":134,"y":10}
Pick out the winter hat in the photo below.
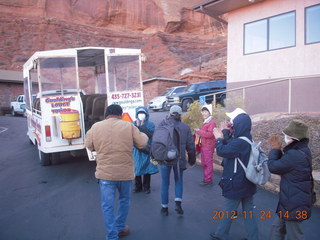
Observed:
{"x":113,"y":109}
{"x":207,"y":107}
{"x":235,"y":113}
{"x":296,"y":129}
{"x":175,"y":109}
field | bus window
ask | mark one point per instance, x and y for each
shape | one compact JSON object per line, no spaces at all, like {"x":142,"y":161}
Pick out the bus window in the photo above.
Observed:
{"x":124,"y":73}
{"x":58,"y":73}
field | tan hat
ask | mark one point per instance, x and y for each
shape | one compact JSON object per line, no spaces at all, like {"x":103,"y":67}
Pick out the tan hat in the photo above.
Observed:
{"x":235,"y":113}
{"x":296,"y":129}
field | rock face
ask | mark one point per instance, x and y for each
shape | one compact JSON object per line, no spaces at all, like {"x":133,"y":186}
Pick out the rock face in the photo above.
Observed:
{"x":169,"y":33}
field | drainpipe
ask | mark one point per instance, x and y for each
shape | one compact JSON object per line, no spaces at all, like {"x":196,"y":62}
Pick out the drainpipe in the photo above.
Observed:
{"x":290,"y":96}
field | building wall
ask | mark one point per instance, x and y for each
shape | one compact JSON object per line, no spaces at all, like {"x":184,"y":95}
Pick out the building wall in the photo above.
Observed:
{"x":301,"y":60}
{"x":9,"y":93}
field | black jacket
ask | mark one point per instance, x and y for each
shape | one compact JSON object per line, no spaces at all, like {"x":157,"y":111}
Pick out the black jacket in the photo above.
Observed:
{"x":236,"y":185}
{"x":184,"y":140}
{"x":294,"y":166}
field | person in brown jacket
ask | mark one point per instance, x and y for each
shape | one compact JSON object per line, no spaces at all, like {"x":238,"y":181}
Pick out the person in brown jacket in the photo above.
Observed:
{"x":113,"y":140}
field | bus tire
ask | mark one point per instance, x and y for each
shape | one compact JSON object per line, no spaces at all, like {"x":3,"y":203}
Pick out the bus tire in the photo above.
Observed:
{"x":44,"y":158}
{"x":55,"y":158}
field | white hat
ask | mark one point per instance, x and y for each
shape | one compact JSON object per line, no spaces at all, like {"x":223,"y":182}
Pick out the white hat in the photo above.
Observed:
{"x":235,"y":113}
{"x":175,"y":109}
{"x":207,"y":107}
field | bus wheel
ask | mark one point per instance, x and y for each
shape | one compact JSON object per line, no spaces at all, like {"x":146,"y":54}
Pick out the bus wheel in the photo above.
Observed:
{"x":44,"y":158}
{"x":55,"y":158}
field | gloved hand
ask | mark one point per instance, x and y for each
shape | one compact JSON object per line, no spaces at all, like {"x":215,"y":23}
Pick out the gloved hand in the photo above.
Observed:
{"x":275,"y":142}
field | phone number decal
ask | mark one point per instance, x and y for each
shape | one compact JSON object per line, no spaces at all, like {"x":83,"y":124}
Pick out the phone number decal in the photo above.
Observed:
{"x":126,"y":95}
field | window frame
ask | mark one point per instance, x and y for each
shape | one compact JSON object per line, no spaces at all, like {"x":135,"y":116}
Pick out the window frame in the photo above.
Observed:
{"x":305,"y":25}
{"x":268,"y":33}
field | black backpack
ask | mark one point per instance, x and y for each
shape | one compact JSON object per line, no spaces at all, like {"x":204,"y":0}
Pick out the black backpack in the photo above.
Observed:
{"x":163,"y":149}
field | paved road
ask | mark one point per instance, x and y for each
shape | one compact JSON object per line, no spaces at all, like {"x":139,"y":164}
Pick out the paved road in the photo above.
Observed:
{"x":62,"y":202}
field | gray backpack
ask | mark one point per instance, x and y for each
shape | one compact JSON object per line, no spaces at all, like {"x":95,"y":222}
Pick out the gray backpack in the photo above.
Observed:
{"x":257,"y":170}
{"x":163,"y":149}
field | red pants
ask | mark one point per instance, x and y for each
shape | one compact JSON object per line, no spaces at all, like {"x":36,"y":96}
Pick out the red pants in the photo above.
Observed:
{"x":207,"y":164}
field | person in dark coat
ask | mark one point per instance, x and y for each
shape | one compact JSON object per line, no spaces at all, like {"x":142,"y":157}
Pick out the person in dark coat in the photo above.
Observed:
{"x":143,"y":168}
{"x":236,"y":188}
{"x":184,"y":140}
{"x":294,"y":165}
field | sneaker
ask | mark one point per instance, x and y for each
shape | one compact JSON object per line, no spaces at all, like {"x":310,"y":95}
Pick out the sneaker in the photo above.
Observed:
{"x":213,"y":237}
{"x":147,"y":191}
{"x":178,"y":208}
{"x":124,"y":232}
{"x":137,"y":190}
{"x":235,"y":216}
{"x":164,"y":211}
{"x":203,"y":183}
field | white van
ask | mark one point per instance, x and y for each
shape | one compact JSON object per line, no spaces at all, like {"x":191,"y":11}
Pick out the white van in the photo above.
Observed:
{"x":73,"y":87}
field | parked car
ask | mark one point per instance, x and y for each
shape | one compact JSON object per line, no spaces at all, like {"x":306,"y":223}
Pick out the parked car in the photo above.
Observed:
{"x":194,"y":91}
{"x":160,"y":102}
{"x":18,"y":106}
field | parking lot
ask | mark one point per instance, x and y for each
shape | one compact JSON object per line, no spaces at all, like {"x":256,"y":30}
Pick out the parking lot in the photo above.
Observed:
{"x":63,"y":202}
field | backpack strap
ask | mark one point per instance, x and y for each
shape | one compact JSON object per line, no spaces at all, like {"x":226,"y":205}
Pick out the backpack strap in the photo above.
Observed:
{"x":238,"y":159}
{"x":241,"y":163}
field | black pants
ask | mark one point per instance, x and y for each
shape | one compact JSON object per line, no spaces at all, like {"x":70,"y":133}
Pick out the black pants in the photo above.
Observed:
{"x":143,"y":182}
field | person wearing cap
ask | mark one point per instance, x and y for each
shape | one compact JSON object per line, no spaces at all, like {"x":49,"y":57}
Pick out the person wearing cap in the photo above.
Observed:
{"x":184,"y":141}
{"x":143,"y":168}
{"x":207,"y":144}
{"x":294,"y":164}
{"x":236,"y":188}
{"x":113,"y":140}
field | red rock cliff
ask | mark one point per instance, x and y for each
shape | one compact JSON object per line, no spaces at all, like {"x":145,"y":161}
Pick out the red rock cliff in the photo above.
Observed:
{"x":171,"y":35}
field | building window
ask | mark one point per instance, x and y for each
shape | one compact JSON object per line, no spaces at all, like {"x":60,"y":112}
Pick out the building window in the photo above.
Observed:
{"x":270,"y":34}
{"x":312,"y":24}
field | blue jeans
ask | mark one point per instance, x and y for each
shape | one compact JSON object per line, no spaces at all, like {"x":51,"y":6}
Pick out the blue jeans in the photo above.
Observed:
{"x":222,"y":231}
{"x":178,"y":179}
{"x":115,"y":224}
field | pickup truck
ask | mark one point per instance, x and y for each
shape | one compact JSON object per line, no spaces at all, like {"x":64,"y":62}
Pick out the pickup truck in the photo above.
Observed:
{"x":193,"y":91}
{"x":18,"y":106}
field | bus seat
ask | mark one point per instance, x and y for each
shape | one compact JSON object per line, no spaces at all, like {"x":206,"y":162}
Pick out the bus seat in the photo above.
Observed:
{"x":98,"y":108}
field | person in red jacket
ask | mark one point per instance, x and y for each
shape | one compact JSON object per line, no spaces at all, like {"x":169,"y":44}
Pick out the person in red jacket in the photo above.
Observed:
{"x":207,"y":144}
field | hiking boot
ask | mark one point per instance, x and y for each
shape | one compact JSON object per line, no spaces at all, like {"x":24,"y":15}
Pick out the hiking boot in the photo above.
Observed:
{"x":164,"y":211}
{"x":178,"y":208}
{"x":203,"y":183}
{"x":124,"y":232}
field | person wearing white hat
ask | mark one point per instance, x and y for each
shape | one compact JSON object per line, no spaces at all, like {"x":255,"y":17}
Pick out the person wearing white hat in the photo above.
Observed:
{"x":236,"y":188}
{"x":207,"y":144}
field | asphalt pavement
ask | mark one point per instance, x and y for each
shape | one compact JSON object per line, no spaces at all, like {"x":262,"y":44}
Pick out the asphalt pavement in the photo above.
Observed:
{"x":62,"y":202}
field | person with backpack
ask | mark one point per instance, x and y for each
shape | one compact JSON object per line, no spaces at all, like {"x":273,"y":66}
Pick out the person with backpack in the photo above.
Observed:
{"x":143,"y":168}
{"x":171,"y":141}
{"x":207,"y":144}
{"x":236,"y":188}
{"x":294,"y":164}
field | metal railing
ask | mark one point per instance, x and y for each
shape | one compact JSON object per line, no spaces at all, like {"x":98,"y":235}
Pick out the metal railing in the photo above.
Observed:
{"x":244,"y":88}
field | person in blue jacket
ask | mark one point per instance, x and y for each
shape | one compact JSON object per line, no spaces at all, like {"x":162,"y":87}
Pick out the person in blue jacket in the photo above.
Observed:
{"x":294,"y":165}
{"x":236,"y":188}
{"x":142,"y":165}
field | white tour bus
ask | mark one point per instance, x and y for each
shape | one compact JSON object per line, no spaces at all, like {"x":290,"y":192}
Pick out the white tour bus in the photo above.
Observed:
{"x":72,"y":89}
